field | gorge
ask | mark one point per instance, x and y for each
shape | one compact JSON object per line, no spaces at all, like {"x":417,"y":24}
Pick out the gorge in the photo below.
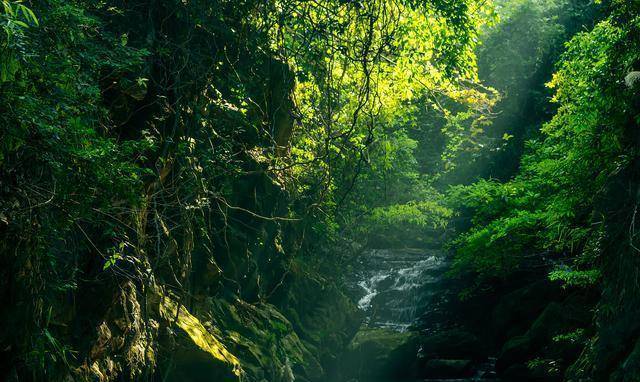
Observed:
{"x":319,"y":190}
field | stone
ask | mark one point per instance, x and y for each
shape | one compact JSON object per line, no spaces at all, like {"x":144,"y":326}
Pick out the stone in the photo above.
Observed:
{"x":378,"y":353}
{"x":451,"y":344}
{"x":447,"y":369}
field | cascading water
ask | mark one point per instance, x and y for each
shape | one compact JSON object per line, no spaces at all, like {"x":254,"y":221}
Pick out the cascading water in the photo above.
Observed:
{"x":396,"y":288}
{"x":394,"y":285}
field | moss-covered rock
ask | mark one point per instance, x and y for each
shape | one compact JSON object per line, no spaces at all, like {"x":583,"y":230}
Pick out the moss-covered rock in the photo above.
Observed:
{"x":378,"y":354}
{"x":212,"y":339}
{"x":207,"y":350}
{"x":264,"y":341}
{"x":324,"y":318}
{"x":124,"y":346}
{"x":516,"y":350}
{"x":521,"y":354}
{"x":629,"y":369}
{"x":451,"y":344}
{"x":517,"y":310}
{"x":447,"y":369}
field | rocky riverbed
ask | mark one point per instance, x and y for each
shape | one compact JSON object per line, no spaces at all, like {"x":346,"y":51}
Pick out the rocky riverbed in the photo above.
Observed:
{"x":418,"y":328}
{"x":405,"y":336}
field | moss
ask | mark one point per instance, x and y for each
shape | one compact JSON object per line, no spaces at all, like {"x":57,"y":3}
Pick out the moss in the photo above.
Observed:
{"x":389,"y":339}
{"x":376,"y":353}
{"x":124,"y":345}
{"x":263,"y":340}
{"x":173,"y":312}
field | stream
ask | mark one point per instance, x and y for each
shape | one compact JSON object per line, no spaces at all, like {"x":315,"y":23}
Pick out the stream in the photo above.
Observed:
{"x":398,"y":288}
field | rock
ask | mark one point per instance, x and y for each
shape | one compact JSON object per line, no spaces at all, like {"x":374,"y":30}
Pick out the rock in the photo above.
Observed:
{"x":191,"y":364}
{"x":200,"y":352}
{"x":629,"y":370}
{"x":538,"y":341}
{"x":542,"y":371}
{"x":451,"y":344}
{"x":515,"y":351}
{"x":124,"y":344}
{"x":447,"y":369}
{"x":557,"y":319}
{"x":378,"y":353}
{"x":519,"y":373}
{"x":264,"y":341}
{"x":324,"y":318}
{"x":517,"y":310}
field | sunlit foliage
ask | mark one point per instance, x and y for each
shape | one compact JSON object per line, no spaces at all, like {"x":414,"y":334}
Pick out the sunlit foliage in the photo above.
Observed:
{"x":553,"y":205}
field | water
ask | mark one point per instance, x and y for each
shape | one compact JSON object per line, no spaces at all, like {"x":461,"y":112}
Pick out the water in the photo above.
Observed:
{"x":396,"y":287}
{"x":393,"y":286}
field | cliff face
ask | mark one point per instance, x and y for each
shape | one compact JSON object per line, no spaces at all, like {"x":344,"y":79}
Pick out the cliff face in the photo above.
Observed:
{"x":153,"y":336}
{"x":141,"y":235}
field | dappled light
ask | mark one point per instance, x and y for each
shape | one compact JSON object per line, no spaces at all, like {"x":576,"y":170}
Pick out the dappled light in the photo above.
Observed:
{"x":319,"y":190}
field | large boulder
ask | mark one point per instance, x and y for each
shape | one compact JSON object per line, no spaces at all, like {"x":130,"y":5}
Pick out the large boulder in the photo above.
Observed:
{"x":125,"y":344}
{"x":448,"y":354}
{"x":378,"y":354}
{"x":515,"y":351}
{"x":447,"y":369}
{"x":451,"y":344}
{"x":263,"y":340}
{"x":324,"y":318}
{"x":517,"y":310}
{"x":521,"y":355}
{"x":542,"y":371}
{"x":629,"y":370}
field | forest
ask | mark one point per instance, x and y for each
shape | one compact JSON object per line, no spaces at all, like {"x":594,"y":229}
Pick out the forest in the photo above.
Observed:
{"x":320,"y":190}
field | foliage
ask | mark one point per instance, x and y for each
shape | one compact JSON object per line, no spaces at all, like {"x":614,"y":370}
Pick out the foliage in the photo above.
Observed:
{"x":551,"y":205}
{"x":14,"y":18}
{"x":576,"y":278}
{"x":209,"y":147}
{"x":517,"y":56}
{"x":225,"y":149}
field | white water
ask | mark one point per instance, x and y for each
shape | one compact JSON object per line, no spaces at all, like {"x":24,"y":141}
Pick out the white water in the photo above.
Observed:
{"x":394,"y":285}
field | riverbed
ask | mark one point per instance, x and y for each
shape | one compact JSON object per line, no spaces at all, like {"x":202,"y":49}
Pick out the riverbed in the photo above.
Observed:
{"x":398,"y":289}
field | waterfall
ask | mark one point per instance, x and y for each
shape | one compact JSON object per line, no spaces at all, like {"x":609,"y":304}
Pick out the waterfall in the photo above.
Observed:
{"x":393,"y":285}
